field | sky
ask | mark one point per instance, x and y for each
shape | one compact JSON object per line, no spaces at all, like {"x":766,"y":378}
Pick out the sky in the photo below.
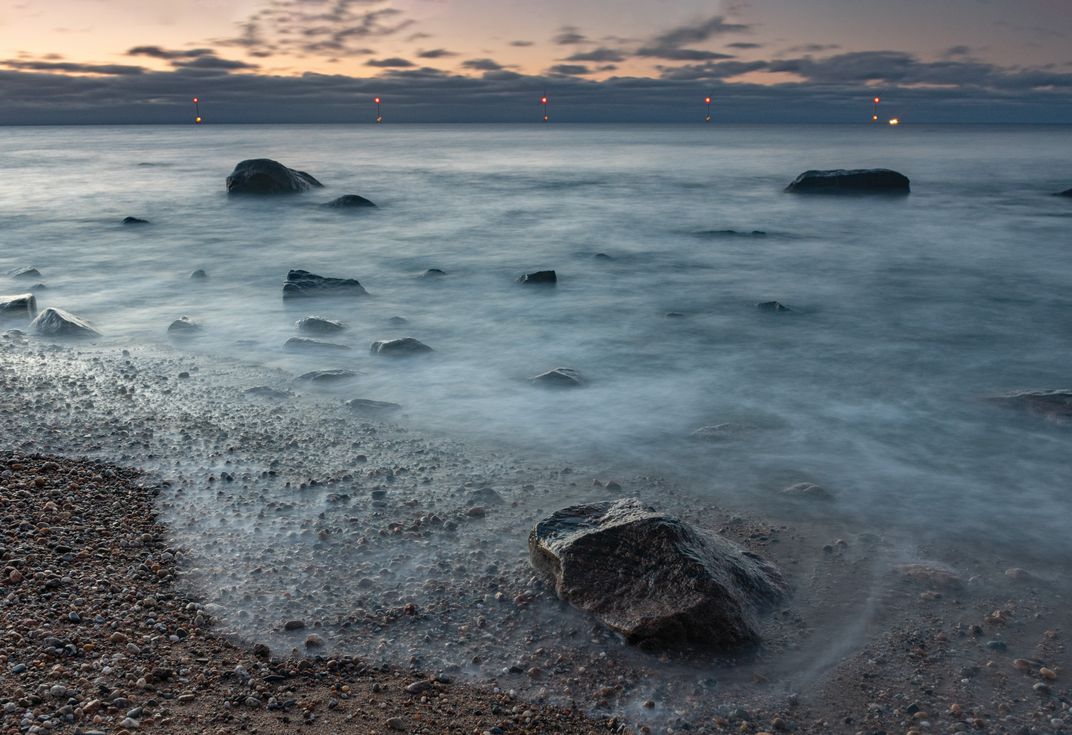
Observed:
{"x":780,"y":61}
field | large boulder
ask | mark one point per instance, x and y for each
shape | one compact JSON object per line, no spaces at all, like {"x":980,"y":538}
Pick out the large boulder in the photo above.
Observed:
{"x":1052,"y":405}
{"x":265,"y":176}
{"x":21,"y":305}
{"x":54,"y":322}
{"x":856,"y":181}
{"x":26,"y":271}
{"x":303,"y":284}
{"x":403,"y":347}
{"x":350,"y":201}
{"x":652,"y":577}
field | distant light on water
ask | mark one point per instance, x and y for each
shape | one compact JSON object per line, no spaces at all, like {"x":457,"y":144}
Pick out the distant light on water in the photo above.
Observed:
{"x":895,"y":121}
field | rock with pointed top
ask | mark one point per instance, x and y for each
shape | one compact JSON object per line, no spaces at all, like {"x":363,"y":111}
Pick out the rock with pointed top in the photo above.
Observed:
{"x":561,"y":377}
{"x":53,"y":322}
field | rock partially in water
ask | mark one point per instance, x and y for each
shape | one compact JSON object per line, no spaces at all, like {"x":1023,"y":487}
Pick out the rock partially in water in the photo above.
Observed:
{"x":184,"y":326}
{"x":53,"y":322}
{"x":854,"y":181}
{"x":602,"y":256}
{"x":433,"y":273}
{"x":304,"y":344}
{"x":561,"y":377}
{"x":367,"y":406}
{"x":20,"y":306}
{"x":303,"y":284}
{"x":350,"y":201}
{"x":265,"y":176}
{"x":327,"y":377}
{"x":654,"y":578}
{"x":1065,"y":193}
{"x":26,"y":271}
{"x":807,"y":490}
{"x":539,"y":278}
{"x":773,"y":307}
{"x":319,"y":325}
{"x":398,"y":321}
{"x":266,"y":391}
{"x":1052,"y":405}
{"x":199,"y":274}
{"x":402,"y":347}
{"x":135,"y":221}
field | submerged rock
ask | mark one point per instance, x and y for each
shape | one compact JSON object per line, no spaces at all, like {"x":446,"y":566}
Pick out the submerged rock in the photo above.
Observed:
{"x":652,"y":577}
{"x":350,"y":201}
{"x":398,"y":321}
{"x":1052,"y":405}
{"x":433,"y":273}
{"x":319,"y":325}
{"x":184,"y":326}
{"x":199,"y":274}
{"x":561,"y":377}
{"x":301,"y":344}
{"x":602,"y":256}
{"x":539,"y":278}
{"x":364,"y":405}
{"x":303,"y":284}
{"x":400,"y":347}
{"x":135,"y":221}
{"x":21,"y":305}
{"x":265,"y":176}
{"x":54,"y":322}
{"x":266,"y":391}
{"x":773,"y":306}
{"x":855,"y":181}
{"x":27,"y":271}
{"x":323,"y":377}
{"x":807,"y":490}
{"x":716,"y":433}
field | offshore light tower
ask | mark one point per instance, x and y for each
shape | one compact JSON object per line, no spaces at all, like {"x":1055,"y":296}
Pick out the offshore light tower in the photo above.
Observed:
{"x":544,"y":101}
{"x":707,"y":117}
{"x":874,"y":109}
{"x":379,"y":113}
{"x":197,"y":111}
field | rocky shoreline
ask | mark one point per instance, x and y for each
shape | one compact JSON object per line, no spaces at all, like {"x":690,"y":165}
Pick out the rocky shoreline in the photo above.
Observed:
{"x":97,"y":637}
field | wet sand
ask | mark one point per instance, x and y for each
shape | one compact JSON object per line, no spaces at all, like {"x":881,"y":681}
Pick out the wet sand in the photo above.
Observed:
{"x":406,"y":553}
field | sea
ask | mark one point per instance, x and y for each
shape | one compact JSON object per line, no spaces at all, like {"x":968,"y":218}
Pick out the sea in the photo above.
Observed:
{"x":905,"y":314}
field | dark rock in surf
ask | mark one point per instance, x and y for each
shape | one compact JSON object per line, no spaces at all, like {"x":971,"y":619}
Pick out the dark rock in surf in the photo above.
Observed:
{"x":265,"y":176}
{"x":184,"y":327}
{"x":539,"y":278}
{"x":39,"y":287}
{"x":199,"y":275}
{"x":327,"y":377}
{"x":403,"y":347}
{"x":350,"y":201}
{"x":303,"y":284}
{"x":674,"y":315}
{"x":433,"y":273}
{"x":602,"y":256}
{"x":653,"y":578}
{"x":367,"y":406}
{"x":855,"y":181}
{"x":561,"y":377}
{"x":304,"y":344}
{"x":319,"y":325}
{"x":20,"y":306}
{"x":135,"y":221}
{"x":54,"y":322}
{"x":773,"y":307}
{"x":398,"y":321}
{"x":27,"y":272}
{"x":1065,"y":193}
{"x":1052,"y":405}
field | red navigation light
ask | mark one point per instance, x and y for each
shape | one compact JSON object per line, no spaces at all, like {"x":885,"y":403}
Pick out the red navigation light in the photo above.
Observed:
{"x":543,"y":100}
{"x":196,"y":100}
{"x":877,"y":100}
{"x":707,"y":100}
{"x":377,"y":100}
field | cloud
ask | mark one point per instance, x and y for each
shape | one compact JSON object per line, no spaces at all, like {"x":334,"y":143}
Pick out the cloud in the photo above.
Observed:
{"x":482,"y":64}
{"x":682,"y":54}
{"x":670,"y":44}
{"x":521,"y":44}
{"x":569,"y":36}
{"x":599,"y":54}
{"x":73,"y":68}
{"x":569,"y":70}
{"x":744,"y":45}
{"x":392,"y":62}
{"x":156,"y":52}
{"x":435,"y":53}
{"x":214,"y":62}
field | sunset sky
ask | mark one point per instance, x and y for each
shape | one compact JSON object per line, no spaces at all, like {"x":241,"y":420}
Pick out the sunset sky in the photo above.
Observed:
{"x":67,"y":61}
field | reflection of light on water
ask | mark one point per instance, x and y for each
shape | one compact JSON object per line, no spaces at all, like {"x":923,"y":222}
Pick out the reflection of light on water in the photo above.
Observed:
{"x":895,"y":121}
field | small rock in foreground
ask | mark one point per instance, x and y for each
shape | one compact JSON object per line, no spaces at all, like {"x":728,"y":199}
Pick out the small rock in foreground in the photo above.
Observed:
{"x":22,"y":305}
{"x":365,"y":405}
{"x":184,"y":326}
{"x":350,"y":201}
{"x":53,"y":322}
{"x":539,"y":278}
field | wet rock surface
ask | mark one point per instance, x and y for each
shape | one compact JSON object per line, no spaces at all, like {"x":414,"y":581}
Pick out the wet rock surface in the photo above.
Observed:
{"x":319,"y":325}
{"x":653,"y":578}
{"x":53,"y":322}
{"x":350,"y":201}
{"x":184,"y":326}
{"x":851,"y":181}
{"x":24,"y":272}
{"x":1052,"y":405}
{"x":265,"y":176}
{"x":561,"y":377}
{"x":305,"y":344}
{"x":18,"y":306}
{"x":369,"y":406}
{"x":303,"y":284}
{"x":539,"y":278}
{"x":134,"y":221}
{"x":402,"y":347}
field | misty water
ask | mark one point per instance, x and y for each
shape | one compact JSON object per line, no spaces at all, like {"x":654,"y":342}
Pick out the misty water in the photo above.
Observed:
{"x":905,"y":311}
